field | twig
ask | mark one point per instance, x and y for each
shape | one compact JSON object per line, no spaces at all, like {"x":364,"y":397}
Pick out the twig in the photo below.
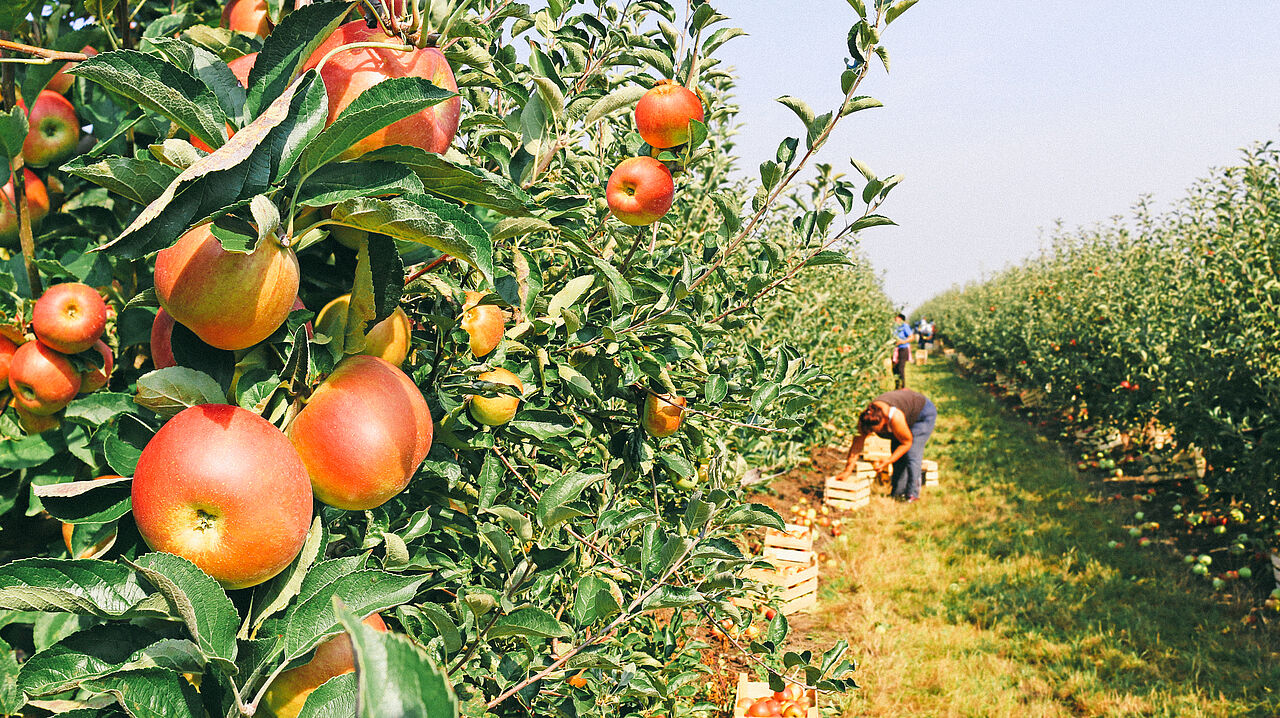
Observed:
{"x":434,"y":263}
{"x":42,"y":52}
{"x":699,"y":412}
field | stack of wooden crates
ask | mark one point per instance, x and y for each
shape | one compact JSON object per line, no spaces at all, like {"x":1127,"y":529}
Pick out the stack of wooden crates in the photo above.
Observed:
{"x":854,"y":493}
{"x":795,"y":567}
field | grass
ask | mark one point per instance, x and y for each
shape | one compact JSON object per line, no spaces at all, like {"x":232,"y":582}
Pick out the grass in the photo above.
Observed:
{"x":997,"y":595}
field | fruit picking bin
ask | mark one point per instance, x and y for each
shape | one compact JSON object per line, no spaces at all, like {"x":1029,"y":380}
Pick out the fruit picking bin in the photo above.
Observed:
{"x":922,"y":356}
{"x":797,"y":579}
{"x":794,"y":545}
{"x":749,"y":690}
{"x":853,"y":493}
{"x":930,"y":471}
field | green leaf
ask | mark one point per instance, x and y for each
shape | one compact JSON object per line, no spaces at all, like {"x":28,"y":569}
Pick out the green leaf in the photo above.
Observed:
{"x":366,"y":592}
{"x":673,"y":597}
{"x":170,"y":390}
{"x":87,"y":502}
{"x":340,"y":181}
{"x":275,"y":595}
{"x":856,"y":104}
{"x":396,"y":677}
{"x":895,"y":10}
{"x":567,"y":488}
{"x":335,"y":698}
{"x":13,"y":14}
{"x":386,"y":102}
{"x":138,"y":180}
{"x":827,"y":257}
{"x":529,"y":621}
{"x":593,"y":601}
{"x":209,"y":69}
{"x":753,"y":515}
{"x":624,"y":97}
{"x":798,"y":106}
{"x":82,"y":586}
{"x":30,"y":451}
{"x":160,"y":87}
{"x":197,"y":599}
{"x":468,"y":185}
{"x":871,"y":220}
{"x":285,"y":50}
{"x":150,"y":693}
{"x":13,"y":132}
{"x":617,"y":286}
{"x":98,"y":408}
{"x":423,"y":220}
{"x":101,"y":650}
{"x":570,"y":294}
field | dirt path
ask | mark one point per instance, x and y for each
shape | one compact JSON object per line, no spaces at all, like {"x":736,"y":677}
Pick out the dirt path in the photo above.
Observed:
{"x":998,"y":596}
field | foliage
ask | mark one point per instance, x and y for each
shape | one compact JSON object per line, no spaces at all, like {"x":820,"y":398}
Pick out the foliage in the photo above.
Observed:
{"x":1169,"y":320}
{"x":519,"y":555}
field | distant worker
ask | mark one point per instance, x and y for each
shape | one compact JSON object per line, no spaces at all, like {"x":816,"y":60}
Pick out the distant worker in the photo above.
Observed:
{"x":906,"y":418}
{"x":924,"y":333}
{"x":902,"y":335}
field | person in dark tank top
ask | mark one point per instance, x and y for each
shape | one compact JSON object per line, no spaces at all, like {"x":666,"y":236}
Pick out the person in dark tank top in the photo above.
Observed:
{"x":906,"y":418}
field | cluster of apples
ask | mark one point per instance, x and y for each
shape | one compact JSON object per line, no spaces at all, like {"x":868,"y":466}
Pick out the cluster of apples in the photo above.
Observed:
{"x":68,"y":321}
{"x":806,"y":515}
{"x":641,"y":189}
{"x":52,"y":138}
{"x":790,"y":702}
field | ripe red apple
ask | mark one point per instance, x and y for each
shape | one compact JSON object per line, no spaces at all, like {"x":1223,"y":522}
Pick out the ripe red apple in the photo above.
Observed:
{"x":33,"y":424}
{"x":37,"y":208}
{"x":41,"y":379}
{"x":61,"y":82}
{"x":388,"y":339}
{"x":247,"y":16}
{"x":351,"y":72}
{"x":230,"y":300}
{"x":497,"y":410}
{"x":663,"y":414}
{"x":54,"y":130}
{"x":640,"y":191}
{"x":98,"y":548}
{"x":95,"y":379}
{"x":223,"y":488}
{"x":363,"y":433}
{"x":162,"y":340}
{"x":484,"y":324}
{"x":69,"y":317}
{"x":663,"y":114}
{"x":7,"y":348}
{"x":334,"y":657}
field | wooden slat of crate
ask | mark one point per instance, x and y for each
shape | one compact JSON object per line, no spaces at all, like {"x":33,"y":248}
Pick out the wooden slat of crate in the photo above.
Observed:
{"x":875,"y":443}
{"x":796,"y":537}
{"x":798,"y":581}
{"x":929,"y":472}
{"x":792,"y":555}
{"x":749,"y":690}
{"x":848,"y":495}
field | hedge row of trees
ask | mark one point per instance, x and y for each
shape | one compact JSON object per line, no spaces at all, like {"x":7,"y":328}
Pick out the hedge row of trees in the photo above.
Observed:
{"x":1167,"y":319}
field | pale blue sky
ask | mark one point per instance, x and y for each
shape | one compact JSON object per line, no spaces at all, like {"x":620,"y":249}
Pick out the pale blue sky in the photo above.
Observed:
{"x":1007,"y":115}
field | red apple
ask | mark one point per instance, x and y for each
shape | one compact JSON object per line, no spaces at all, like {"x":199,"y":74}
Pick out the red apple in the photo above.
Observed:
{"x":242,"y":66}
{"x":33,"y":424}
{"x":484,"y":324}
{"x":247,"y":16}
{"x":61,"y":82}
{"x":37,"y":207}
{"x":388,"y":339}
{"x":363,"y":433}
{"x":351,"y":72}
{"x":69,"y":317}
{"x":663,"y":114}
{"x":7,"y":348}
{"x":162,"y":340}
{"x":95,"y":379}
{"x":334,"y":657}
{"x":640,"y":191}
{"x":496,"y":410}
{"x":42,"y":380}
{"x":230,"y":300}
{"x":54,"y":132}
{"x":663,"y":414}
{"x":98,"y":548}
{"x":223,"y":488}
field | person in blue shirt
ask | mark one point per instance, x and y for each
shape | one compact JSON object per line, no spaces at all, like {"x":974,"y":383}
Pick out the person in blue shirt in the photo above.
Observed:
{"x":902,"y":335}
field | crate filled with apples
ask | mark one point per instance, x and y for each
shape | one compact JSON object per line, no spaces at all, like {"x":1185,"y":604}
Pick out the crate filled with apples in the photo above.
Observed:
{"x":852,"y":493}
{"x":757,"y":700}
{"x":795,"y":544}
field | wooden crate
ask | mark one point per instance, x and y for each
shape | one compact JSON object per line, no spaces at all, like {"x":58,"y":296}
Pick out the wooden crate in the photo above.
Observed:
{"x":794,"y":545}
{"x":929,"y":470}
{"x":798,"y":582}
{"x":749,"y":690}
{"x":853,"y":493}
{"x":922,"y":356}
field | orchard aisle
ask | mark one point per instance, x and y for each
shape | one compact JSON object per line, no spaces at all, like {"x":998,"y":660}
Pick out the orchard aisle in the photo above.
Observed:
{"x":997,"y":595}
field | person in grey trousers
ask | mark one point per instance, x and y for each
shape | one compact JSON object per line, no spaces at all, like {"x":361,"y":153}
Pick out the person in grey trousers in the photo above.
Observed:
{"x":906,"y":418}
